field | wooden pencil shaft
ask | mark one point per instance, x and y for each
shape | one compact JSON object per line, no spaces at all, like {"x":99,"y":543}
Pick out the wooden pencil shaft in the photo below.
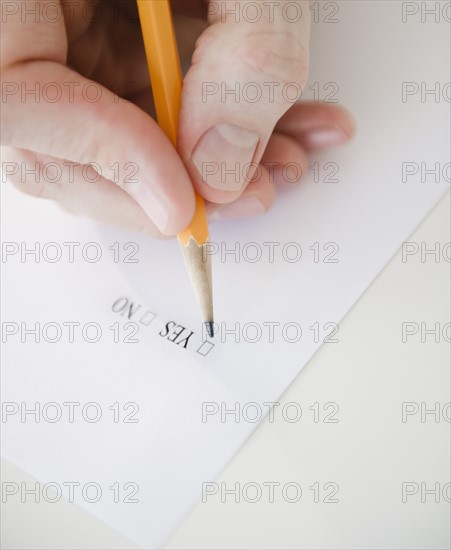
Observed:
{"x":166,"y":80}
{"x":198,"y":265}
{"x":164,"y":63}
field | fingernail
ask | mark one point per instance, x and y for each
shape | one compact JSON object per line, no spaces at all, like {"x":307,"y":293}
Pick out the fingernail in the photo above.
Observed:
{"x":327,"y":136}
{"x":152,"y":204}
{"x":241,"y":208}
{"x":224,"y":155}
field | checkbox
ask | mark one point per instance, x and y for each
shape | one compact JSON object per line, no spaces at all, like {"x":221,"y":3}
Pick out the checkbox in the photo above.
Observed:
{"x":205,"y":348}
{"x":147,"y":318}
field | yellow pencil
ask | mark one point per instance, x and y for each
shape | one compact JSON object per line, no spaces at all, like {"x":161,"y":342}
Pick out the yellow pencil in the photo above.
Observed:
{"x":166,"y":78}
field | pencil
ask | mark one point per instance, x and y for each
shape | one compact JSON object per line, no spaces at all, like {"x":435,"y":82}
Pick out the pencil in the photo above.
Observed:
{"x":166,"y":79}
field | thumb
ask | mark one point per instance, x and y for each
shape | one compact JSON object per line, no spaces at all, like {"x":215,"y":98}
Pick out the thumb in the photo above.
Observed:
{"x":51,"y":110}
{"x":248,"y":69}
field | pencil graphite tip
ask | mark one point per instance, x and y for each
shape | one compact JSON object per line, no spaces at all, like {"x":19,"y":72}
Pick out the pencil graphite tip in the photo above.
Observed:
{"x":209,"y":326}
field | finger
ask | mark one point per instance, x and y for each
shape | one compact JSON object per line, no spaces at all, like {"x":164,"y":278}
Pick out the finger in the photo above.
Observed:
{"x":285,"y":160}
{"x":317,"y":125}
{"x":256,"y":200}
{"x":79,"y":189}
{"x":244,"y":77}
{"x":70,"y":117}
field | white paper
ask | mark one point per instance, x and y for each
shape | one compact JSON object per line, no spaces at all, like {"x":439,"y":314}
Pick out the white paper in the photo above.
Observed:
{"x":170,"y":451}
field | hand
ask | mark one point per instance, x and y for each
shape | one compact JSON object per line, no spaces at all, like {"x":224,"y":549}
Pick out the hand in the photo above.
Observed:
{"x":76,"y":97}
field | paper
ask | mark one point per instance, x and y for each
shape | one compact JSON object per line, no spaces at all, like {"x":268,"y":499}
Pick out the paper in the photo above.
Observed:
{"x":144,"y":426}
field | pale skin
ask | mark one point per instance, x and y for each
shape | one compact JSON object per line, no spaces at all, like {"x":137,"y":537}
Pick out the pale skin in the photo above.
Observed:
{"x":105,"y":47}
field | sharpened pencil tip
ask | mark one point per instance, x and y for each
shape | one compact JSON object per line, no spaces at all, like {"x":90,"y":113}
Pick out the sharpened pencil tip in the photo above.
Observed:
{"x":209,"y":325}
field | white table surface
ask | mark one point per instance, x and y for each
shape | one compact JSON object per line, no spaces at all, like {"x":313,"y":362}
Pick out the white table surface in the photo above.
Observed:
{"x":369,"y":453}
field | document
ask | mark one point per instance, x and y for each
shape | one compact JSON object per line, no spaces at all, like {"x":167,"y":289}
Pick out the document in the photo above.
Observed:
{"x":113,"y":395}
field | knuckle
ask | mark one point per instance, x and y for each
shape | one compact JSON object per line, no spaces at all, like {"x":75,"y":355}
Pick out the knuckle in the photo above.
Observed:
{"x":31,"y":176}
{"x":279,"y":57}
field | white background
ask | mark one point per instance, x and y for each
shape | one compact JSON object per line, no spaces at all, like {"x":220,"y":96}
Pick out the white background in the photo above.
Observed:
{"x":370,"y":452}
{"x":369,"y":374}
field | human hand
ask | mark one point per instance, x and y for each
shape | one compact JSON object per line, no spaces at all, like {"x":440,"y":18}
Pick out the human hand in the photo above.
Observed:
{"x":84,"y":63}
